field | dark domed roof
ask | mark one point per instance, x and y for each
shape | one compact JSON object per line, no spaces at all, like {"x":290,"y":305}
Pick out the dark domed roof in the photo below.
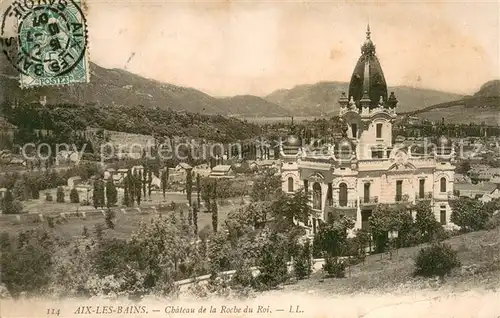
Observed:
{"x":368,"y":75}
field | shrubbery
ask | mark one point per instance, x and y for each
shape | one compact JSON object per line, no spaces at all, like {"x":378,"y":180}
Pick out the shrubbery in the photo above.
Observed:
{"x":334,"y":267}
{"x":74,"y":197}
{"x":60,"y":195}
{"x":436,"y":260}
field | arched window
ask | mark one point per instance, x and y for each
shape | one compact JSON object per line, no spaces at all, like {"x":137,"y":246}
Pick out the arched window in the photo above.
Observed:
{"x":317,"y":196}
{"x":290,"y":184}
{"x":443,"y":184}
{"x":343,"y":194}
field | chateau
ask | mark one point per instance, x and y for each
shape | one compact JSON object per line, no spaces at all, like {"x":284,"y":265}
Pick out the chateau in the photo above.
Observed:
{"x":364,"y":168}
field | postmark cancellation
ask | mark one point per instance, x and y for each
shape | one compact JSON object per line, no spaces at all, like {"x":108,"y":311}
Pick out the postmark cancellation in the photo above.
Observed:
{"x":46,"y":41}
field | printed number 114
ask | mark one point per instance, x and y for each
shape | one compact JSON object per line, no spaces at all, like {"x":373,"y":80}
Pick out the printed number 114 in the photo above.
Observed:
{"x":52,"y":311}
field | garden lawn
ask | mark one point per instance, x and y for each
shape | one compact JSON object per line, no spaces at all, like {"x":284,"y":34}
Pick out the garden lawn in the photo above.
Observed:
{"x":125,"y":224}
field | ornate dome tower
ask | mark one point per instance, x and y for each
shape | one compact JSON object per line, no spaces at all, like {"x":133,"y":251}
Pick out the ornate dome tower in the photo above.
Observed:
{"x":368,"y":86}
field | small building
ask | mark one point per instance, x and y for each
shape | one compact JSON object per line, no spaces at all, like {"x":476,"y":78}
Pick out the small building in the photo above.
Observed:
{"x":222,"y":171}
{"x":474,"y":191}
{"x":203,"y":170}
{"x":74,"y":181}
{"x":2,"y":192}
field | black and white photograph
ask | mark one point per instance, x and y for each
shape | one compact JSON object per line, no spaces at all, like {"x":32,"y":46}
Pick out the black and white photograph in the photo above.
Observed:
{"x":249,"y":158}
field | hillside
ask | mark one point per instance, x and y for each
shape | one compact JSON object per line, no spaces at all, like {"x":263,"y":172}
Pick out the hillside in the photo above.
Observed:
{"x":477,"y":251}
{"x":248,"y":105}
{"x":322,"y":98}
{"x":483,"y":106}
{"x":122,"y":88}
{"x":67,"y":118}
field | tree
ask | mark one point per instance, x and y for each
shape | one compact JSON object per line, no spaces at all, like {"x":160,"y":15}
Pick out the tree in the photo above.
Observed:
{"x":195,"y":218}
{"x":60,"y":195}
{"x":198,"y":190}
{"x":143,"y":176}
{"x":130,"y":181}
{"x":469,"y":214}
{"x":111,"y":193}
{"x":386,"y":219}
{"x":215,"y":216}
{"x":207,"y":190}
{"x":189,"y":185}
{"x":150,"y":182}
{"x":266,"y":187}
{"x":126,"y":196}
{"x":164,"y":181}
{"x":272,"y":262}
{"x":288,"y":209}
{"x":20,"y":190}
{"x":98,"y":194}
{"x":138,"y":186}
{"x":302,"y":264}
{"x":331,"y":237}
{"x":425,"y":221}
{"x":35,"y":192}
{"x":10,"y":205}
{"x":463,"y":167}
{"x":26,"y":266}
{"x":190,"y":216}
{"x":74,"y":197}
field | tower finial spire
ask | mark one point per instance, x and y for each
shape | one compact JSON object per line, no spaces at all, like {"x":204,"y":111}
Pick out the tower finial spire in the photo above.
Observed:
{"x":368,"y":31}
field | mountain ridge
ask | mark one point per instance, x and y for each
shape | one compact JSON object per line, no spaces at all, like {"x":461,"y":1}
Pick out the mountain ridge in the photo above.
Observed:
{"x":121,"y":87}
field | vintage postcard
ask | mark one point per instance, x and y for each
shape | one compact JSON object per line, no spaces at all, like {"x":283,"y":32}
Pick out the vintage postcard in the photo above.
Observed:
{"x":249,"y":158}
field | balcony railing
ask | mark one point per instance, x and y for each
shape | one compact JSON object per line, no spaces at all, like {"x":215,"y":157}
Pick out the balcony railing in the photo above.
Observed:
{"x":423,"y":197}
{"x":345,"y":204}
{"x":369,"y":200}
{"x":402,"y":198}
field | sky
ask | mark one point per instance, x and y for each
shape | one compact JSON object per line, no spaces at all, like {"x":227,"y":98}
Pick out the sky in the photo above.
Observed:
{"x":231,"y":48}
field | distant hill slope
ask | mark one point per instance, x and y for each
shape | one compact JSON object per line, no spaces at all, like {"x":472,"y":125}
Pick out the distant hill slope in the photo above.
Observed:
{"x":322,"y":98}
{"x":483,"y":106}
{"x":122,"y":88}
{"x":248,"y":105}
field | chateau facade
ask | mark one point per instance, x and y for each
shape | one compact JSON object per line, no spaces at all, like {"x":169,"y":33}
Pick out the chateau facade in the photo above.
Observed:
{"x":364,"y":168}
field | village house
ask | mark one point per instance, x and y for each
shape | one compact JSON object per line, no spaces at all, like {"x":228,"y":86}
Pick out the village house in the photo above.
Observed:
{"x":203,"y":170}
{"x":264,"y":164}
{"x":474,"y":191}
{"x":222,"y":171}
{"x":495,"y":193}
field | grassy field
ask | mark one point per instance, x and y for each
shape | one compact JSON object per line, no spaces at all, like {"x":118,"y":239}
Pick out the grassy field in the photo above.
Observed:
{"x":125,"y":224}
{"x":479,"y":253}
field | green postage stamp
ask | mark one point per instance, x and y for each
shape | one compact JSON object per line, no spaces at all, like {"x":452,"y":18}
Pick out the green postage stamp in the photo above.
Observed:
{"x":46,"y":41}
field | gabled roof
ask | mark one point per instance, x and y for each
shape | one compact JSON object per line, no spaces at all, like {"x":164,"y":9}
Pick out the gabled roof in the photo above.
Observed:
{"x":221,"y":168}
{"x":184,"y":165}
